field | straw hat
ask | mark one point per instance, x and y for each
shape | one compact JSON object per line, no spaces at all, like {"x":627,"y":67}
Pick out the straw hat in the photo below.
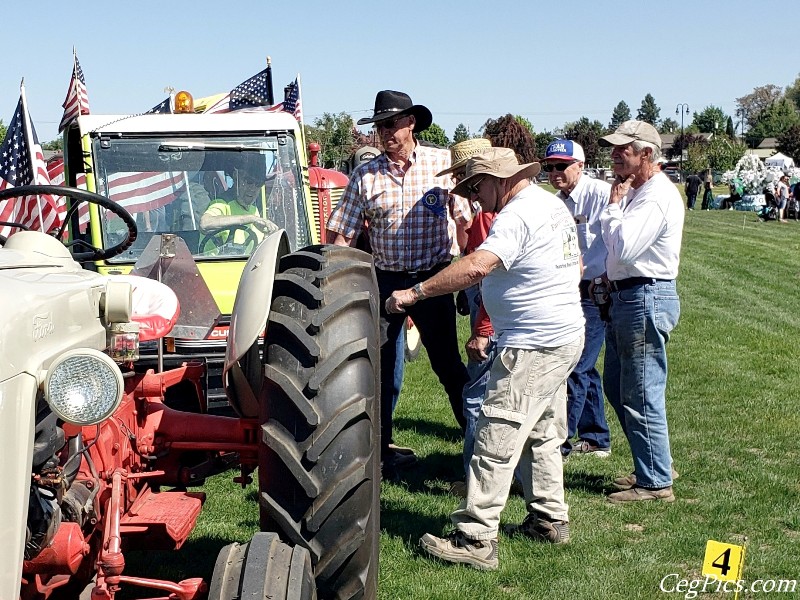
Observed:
{"x":462,"y":151}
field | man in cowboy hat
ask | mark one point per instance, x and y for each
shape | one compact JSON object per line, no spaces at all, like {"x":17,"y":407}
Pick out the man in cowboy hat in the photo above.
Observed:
{"x":529,"y":268}
{"x":644,"y":244}
{"x":411,"y":215}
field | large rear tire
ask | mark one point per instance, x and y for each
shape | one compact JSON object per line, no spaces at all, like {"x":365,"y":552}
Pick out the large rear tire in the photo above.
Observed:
{"x":263,"y":568}
{"x":319,"y":469}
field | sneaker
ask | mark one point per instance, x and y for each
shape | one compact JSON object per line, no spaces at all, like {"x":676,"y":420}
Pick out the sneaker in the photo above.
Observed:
{"x":586,"y":447}
{"x":401,"y":450}
{"x":541,"y":529}
{"x":456,"y":548}
{"x":639,"y":494}
{"x":628,"y":481}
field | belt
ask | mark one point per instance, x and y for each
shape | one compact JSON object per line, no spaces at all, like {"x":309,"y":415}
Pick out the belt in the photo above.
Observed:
{"x":630,"y":282}
{"x":417,"y":274}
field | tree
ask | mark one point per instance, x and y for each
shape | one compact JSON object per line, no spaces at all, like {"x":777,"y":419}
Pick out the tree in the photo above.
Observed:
{"x":525,"y":123}
{"x":711,"y":119}
{"x":730,"y":130}
{"x":335,"y":134}
{"x":3,"y":130}
{"x":587,"y":134}
{"x":507,"y":132}
{"x":649,"y":111}
{"x":56,"y":144}
{"x":668,"y":126}
{"x":758,"y":100}
{"x":773,"y":121}
{"x":461,"y":133}
{"x":793,"y":92}
{"x":789,"y":142}
{"x":621,"y":114}
{"x":435,"y":135}
{"x":720,"y":153}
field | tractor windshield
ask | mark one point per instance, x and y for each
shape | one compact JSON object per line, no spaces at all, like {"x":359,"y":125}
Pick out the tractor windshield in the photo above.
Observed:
{"x":221,"y":194}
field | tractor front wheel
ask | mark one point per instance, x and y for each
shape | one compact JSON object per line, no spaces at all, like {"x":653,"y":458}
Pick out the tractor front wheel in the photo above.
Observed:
{"x":319,"y":465}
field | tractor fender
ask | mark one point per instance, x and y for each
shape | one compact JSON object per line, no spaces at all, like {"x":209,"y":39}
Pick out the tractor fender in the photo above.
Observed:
{"x":253,"y":297}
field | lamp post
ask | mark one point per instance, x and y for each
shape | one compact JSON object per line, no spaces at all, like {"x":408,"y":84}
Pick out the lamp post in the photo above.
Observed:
{"x":682,"y":109}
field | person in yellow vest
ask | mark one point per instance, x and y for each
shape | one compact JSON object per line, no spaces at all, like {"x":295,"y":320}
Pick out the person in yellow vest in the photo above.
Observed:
{"x":240,"y":216}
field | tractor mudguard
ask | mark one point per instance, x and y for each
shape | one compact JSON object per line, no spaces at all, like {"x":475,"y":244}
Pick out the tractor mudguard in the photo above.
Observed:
{"x":248,"y":320}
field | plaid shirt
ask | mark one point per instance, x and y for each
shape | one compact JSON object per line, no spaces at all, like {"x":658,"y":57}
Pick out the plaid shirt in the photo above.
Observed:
{"x":411,"y":216}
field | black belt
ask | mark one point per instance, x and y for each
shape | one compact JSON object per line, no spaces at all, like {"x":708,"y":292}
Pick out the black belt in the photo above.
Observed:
{"x":415,"y":274}
{"x":630,"y":282}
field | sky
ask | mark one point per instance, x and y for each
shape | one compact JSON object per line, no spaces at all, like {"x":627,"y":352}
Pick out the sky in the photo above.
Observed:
{"x":467,"y":61}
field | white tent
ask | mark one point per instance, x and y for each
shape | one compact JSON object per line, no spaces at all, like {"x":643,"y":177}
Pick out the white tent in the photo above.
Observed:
{"x":779,"y":160}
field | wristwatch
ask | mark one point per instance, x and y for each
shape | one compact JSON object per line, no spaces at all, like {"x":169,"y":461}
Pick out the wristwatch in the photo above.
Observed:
{"x":418,"y":291}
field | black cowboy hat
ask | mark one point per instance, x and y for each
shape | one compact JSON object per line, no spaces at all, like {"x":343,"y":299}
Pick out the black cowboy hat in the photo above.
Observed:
{"x":390,"y":104}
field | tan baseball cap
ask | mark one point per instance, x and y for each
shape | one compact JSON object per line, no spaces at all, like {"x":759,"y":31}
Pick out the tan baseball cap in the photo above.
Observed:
{"x":462,"y":151}
{"x":498,"y":162}
{"x":631,"y":131}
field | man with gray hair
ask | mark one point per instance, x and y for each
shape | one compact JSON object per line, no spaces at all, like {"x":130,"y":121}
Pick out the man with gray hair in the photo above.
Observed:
{"x":644,"y":243}
{"x":529,"y":268}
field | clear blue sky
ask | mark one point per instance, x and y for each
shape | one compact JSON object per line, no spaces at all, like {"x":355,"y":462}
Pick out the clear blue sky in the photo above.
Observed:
{"x":467,"y":61}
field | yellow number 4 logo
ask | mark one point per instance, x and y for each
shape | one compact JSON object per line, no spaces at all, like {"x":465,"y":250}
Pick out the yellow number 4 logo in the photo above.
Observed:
{"x":723,"y":561}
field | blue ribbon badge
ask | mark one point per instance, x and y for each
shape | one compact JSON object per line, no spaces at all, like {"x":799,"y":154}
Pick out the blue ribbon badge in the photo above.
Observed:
{"x":431,"y":202}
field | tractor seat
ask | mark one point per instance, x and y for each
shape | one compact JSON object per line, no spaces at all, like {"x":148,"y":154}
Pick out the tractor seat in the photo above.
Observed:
{"x":155,"y":306}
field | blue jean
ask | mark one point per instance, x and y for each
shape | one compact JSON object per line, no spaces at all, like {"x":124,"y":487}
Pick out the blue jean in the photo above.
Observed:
{"x":399,"y":367}
{"x":586,"y":413}
{"x":475,"y":388}
{"x":635,"y":374}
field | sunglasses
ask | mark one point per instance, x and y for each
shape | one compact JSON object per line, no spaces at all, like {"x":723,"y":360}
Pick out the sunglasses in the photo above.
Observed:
{"x":559,"y":166}
{"x":473,"y":187}
{"x":389,"y":123}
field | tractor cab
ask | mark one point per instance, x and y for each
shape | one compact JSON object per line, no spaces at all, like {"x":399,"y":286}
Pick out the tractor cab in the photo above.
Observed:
{"x":217,"y":183}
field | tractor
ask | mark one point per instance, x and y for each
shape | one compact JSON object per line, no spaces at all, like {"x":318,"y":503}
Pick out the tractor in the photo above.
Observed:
{"x":106,"y":450}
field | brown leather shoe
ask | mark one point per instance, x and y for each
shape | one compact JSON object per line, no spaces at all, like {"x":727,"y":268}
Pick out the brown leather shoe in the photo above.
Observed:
{"x":640,"y":494}
{"x":628,"y":481}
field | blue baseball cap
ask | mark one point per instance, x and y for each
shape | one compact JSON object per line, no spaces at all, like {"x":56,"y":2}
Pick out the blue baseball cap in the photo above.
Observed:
{"x":564,"y":150}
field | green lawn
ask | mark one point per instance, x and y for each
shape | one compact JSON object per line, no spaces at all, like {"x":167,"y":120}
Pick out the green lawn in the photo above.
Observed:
{"x":734,"y":420}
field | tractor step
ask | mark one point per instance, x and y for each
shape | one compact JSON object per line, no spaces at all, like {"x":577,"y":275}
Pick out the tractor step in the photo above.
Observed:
{"x":161,"y":521}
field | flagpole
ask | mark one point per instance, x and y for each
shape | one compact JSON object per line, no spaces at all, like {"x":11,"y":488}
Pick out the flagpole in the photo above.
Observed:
{"x":300,"y":103}
{"x":270,"y":92}
{"x":26,"y":128}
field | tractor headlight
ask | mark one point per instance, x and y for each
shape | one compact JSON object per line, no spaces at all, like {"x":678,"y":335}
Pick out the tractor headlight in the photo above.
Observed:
{"x":83,"y":387}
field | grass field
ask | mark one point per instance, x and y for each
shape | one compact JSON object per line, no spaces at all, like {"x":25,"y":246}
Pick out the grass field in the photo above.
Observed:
{"x":734,"y":413}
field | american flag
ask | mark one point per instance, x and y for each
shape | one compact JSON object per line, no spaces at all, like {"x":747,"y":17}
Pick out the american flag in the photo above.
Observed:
{"x":55,"y":170}
{"x":77,"y":100}
{"x":163,"y":107}
{"x":291,"y":103}
{"x":22,"y":163}
{"x":141,"y":191}
{"x":250,"y":93}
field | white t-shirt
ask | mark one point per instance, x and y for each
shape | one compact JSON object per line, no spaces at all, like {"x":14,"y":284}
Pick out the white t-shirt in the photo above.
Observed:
{"x":533,"y":300}
{"x":644,"y":239}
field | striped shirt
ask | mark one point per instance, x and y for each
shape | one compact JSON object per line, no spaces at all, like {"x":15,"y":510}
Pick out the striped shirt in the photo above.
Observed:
{"x":411,"y":215}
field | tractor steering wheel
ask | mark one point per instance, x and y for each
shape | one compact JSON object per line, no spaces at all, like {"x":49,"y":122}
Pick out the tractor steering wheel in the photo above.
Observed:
{"x":251,"y":242}
{"x":93,"y":252}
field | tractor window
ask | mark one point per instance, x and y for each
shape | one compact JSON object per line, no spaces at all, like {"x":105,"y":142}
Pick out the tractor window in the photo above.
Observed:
{"x":192,"y":186}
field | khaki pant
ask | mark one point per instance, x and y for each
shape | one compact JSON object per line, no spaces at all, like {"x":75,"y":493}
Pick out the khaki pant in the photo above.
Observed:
{"x":523,"y":420}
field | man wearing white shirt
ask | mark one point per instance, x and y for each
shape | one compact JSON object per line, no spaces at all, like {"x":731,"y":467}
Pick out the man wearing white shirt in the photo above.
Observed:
{"x":643,"y":242}
{"x":529,"y":268}
{"x":585,"y":198}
